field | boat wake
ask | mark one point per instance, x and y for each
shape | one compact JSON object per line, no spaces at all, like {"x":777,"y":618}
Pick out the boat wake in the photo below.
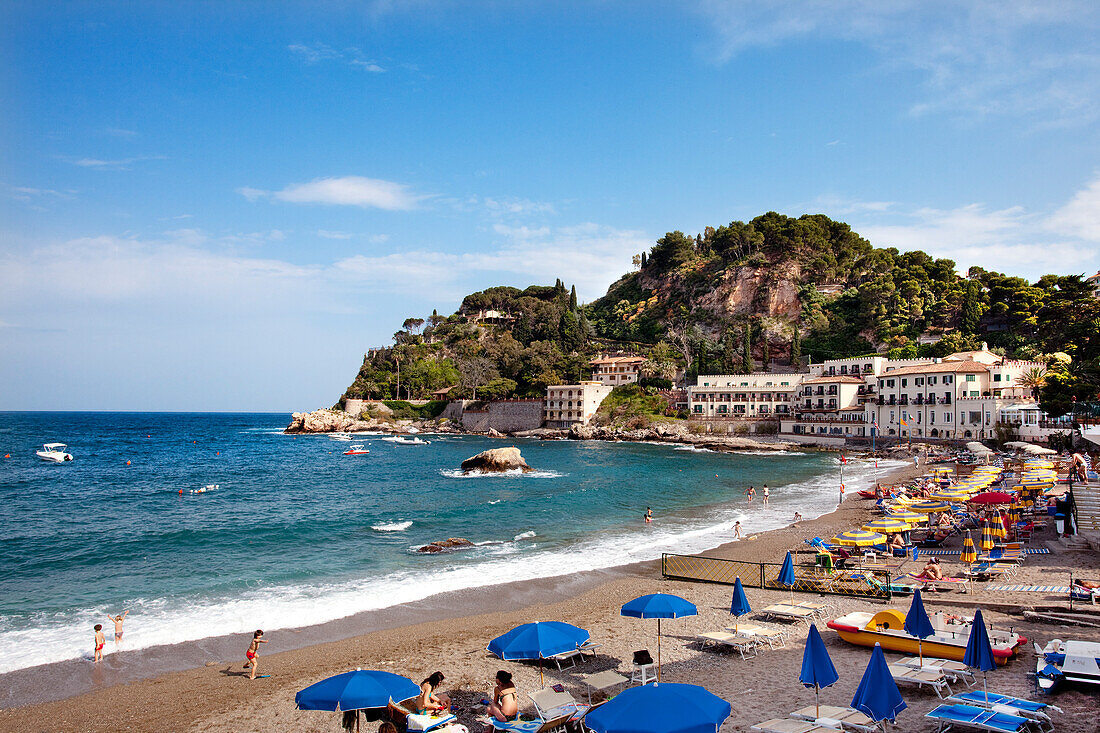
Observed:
{"x":514,"y":473}
{"x":391,"y":526}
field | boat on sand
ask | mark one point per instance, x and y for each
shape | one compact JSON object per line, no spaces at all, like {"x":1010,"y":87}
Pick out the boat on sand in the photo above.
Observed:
{"x":887,"y":627}
{"x":1067,"y":661}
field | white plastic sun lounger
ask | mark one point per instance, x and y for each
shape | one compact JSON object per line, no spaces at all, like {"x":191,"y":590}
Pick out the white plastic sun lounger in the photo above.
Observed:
{"x":550,"y":704}
{"x":745,"y":645}
{"x":936,"y":680}
{"x":789,"y":725}
{"x":849,"y":718}
{"x":952,"y":670}
{"x":774,"y":638}
{"x":788,"y":612}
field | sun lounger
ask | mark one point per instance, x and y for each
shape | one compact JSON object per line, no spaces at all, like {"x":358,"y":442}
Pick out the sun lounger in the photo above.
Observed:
{"x":774,"y":638}
{"x":952,"y":670}
{"x":531,"y":726}
{"x":907,"y":675}
{"x":787,"y":612}
{"x":1035,"y":711}
{"x":550,"y":704}
{"x":789,"y":725}
{"x":969,"y":716}
{"x":820,"y":608}
{"x":743,"y":644}
{"x":849,"y":718}
{"x":573,"y":655}
{"x":963,"y":582}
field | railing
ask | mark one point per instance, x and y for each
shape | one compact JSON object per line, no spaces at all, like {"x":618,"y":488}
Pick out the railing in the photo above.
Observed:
{"x":858,"y":583}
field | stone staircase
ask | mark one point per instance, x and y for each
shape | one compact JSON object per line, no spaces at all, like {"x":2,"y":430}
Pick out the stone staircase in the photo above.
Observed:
{"x":1088,"y":512}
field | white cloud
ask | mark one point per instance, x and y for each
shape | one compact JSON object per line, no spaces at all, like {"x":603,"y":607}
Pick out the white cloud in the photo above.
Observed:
{"x":344,"y":191}
{"x":317,"y":52}
{"x":517,"y":206}
{"x":368,"y":66}
{"x":1081,"y":216}
{"x":326,"y":234}
{"x":116,"y":164}
{"x":1011,"y":57}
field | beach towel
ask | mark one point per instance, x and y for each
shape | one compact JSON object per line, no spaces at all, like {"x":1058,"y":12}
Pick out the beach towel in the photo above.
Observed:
{"x":1062,"y":589}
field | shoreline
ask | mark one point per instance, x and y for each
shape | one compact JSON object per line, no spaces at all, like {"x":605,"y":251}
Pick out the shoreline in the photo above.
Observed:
{"x":67,"y":683}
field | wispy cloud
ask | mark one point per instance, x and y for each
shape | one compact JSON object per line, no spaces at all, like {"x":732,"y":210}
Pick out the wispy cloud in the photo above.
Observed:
{"x":120,"y":132}
{"x":344,"y":191}
{"x":115,"y":164}
{"x":508,"y":205}
{"x":1009,"y":57}
{"x":1080,"y":217}
{"x":317,"y":52}
{"x":327,"y":234}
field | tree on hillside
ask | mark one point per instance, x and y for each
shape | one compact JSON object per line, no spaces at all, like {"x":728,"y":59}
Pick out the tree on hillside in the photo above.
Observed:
{"x":671,"y":251}
{"x":573,"y":298}
{"x":412,"y":325}
{"x":1034,"y":379}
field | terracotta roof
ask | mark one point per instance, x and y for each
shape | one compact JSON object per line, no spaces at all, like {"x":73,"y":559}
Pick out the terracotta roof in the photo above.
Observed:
{"x":839,"y":378}
{"x":949,"y":367}
{"x":619,"y":360}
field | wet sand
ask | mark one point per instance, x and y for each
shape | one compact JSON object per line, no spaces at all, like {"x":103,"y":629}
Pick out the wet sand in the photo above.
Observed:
{"x":449,"y":633}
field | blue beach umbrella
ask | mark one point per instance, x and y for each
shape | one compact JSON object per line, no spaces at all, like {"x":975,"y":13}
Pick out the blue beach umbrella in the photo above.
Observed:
{"x":660,"y":708}
{"x":918,"y":624}
{"x":739,"y":606}
{"x":878,"y":696}
{"x":538,"y":640}
{"x":658,"y":606}
{"x":786,"y":574}
{"x":979,"y":652}
{"x":356,"y":691}
{"x":817,"y":667}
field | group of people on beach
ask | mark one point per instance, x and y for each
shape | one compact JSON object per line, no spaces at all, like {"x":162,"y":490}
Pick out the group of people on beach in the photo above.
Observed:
{"x":101,"y":638}
{"x":765,"y":494}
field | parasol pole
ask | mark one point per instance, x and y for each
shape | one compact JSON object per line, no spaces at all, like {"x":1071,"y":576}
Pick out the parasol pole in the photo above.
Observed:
{"x":658,"y":650}
{"x":817,"y":699}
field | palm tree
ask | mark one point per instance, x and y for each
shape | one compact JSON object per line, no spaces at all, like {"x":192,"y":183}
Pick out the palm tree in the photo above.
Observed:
{"x":1034,"y":378}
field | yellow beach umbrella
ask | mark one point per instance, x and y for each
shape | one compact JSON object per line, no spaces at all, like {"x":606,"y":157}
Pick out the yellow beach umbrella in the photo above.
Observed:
{"x":942,"y":469}
{"x":987,"y":540}
{"x":905,"y":515}
{"x":968,"y":554}
{"x":859,"y":538}
{"x":929,"y":507}
{"x":999,"y":526}
{"x":888,"y":524}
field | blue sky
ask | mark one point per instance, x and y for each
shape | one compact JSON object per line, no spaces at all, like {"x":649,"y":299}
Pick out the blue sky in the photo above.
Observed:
{"x":220,"y":206}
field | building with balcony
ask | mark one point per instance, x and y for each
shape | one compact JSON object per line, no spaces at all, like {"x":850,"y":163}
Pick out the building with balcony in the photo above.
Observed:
{"x":744,"y":396}
{"x":617,"y":370}
{"x":567,"y":405}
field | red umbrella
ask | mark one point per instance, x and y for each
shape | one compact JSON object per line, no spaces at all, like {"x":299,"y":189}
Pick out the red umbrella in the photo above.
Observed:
{"x":992,"y":497}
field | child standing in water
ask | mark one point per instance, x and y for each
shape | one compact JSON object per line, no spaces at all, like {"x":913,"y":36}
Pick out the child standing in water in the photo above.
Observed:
{"x":100,"y":640}
{"x":766,"y":494}
{"x":737,"y":530}
{"x":253,"y":651}
{"x":648,"y":515}
{"x":751,"y":492}
{"x":118,"y":627}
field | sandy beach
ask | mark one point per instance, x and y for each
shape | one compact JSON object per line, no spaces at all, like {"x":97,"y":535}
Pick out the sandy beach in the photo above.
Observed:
{"x":449,"y":633}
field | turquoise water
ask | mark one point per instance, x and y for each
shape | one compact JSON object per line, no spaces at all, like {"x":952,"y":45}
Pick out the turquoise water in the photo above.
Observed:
{"x":299,"y":534}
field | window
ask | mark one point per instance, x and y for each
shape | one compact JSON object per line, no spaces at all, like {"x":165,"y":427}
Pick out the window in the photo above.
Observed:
{"x":889,"y":382}
{"x":784,"y":384}
{"x":932,"y":418}
{"x":931,"y":381}
{"x":947,"y":379}
{"x":947,"y":417}
{"x":971,"y":377}
{"x":996,"y":377}
{"x":918,"y":382}
{"x":975,"y":393}
{"x":904,"y":382}
{"x":891,"y":416}
{"x":697,"y":408}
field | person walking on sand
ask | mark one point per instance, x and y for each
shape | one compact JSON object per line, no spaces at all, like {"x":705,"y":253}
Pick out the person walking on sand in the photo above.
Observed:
{"x":766,"y":494}
{"x":737,"y":530}
{"x":751,"y":492}
{"x":648,"y":515}
{"x":117,"y":620}
{"x":100,"y":640}
{"x":252,"y":655}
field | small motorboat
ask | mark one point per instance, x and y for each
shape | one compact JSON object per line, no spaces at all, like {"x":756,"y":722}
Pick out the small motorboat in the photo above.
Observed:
{"x":204,"y":489}
{"x":54,"y":452}
{"x":342,"y":437}
{"x":411,"y":441}
{"x":356,"y":450}
{"x":1067,"y":661}
{"x":887,"y":627}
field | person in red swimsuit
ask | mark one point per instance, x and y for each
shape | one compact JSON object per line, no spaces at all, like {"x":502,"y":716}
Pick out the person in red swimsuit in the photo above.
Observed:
{"x":253,"y":649}
{"x":100,"y":640}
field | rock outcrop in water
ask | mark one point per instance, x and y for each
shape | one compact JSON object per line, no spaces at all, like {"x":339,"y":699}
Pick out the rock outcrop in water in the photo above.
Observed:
{"x":447,"y":545}
{"x":496,"y":460}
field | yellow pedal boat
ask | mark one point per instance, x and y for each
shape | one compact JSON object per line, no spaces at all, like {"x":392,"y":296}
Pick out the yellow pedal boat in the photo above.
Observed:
{"x":887,"y":627}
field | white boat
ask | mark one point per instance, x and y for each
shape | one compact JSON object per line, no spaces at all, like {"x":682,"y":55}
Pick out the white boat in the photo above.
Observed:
{"x":342,"y":437}
{"x":204,"y":489}
{"x":54,"y":452}
{"x":1067,"y":661}
{"x":357,"y":450}
{"x":411,"y":441}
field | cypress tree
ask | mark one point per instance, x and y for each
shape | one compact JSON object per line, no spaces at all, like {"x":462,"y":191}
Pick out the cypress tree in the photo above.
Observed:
{"x":573,"y":298}
{"x":746,"y":362}
{"x":796,"y":347}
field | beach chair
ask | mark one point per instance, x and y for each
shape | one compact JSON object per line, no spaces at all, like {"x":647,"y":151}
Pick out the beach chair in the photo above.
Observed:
{"x":744,"y":645}
{"x":1038,"y":712}
{"x":953,"y":582}
{"x":774,"y":638}
{"x":819,"y":608}
{"x":849,"y":718}
{"x":921,"y":678}
{"x":575,"y":655}
{"x":644,"y":670}
{"x":550,"y":704}
{"x":531,"y":726}
{"x":790,"y":725}
{"x":952,"y":670}
{"x":969,"y":716}
{"x":787,"y":612}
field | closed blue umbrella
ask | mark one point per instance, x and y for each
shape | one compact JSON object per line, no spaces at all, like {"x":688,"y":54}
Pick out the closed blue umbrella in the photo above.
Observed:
{"x":739,"y":606}
{"x":786,"y":574}
{"x":979,"y":652}
{"x":817,"y":667}
{"x":660,"y":708}
{"x":356,"y":690}
{"x":658,"y":606}
{"x":918,"y":624}
{"x":538,"y":640}
{"x":878,"y":696}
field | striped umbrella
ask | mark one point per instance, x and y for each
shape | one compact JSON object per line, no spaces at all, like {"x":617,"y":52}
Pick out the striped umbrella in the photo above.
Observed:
{"x":859,"y":538}
{"x":905,"y":515}
{"x":987,"y":540}
{"x":941,"y":469}
{"x":954,"y":496}
{"x":999,"y":525}
{"x":968,"y":554}
{"x":929,"y":507}
{"x":889,"y":524}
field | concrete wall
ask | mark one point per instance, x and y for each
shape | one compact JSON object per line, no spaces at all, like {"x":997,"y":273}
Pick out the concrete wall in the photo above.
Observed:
{"x":354,"y":407}
{"x":505,"y":416}
{"x":832,"y":442}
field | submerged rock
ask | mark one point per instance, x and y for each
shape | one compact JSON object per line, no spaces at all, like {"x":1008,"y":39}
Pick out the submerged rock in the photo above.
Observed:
{"x":496,"y":460}
{"x":451,"y":543}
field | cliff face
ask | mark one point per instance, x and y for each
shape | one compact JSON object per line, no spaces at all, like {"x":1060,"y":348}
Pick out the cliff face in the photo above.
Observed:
{"x":755,"y":291}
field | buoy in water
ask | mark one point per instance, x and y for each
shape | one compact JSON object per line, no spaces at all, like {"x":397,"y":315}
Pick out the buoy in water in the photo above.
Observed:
{"x":218,"y":453}
{"x":181,"y":492}
{"x":127,"y":463}
{"x":7,"y":455}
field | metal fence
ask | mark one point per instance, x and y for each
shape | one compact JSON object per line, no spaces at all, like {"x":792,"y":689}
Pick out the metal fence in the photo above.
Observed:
{"x":856,"y":582}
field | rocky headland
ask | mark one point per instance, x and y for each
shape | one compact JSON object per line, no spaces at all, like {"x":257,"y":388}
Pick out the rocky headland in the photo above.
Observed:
{"x":496,"y":460}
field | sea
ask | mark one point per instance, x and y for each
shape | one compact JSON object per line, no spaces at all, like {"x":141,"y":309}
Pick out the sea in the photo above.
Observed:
{"x":297,"y":533}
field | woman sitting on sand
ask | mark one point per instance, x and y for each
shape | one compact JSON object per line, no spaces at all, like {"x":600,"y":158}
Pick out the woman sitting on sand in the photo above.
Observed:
{"x":897,"y":544}
{"x":505,"y":705}
{"x":429,"y":701}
